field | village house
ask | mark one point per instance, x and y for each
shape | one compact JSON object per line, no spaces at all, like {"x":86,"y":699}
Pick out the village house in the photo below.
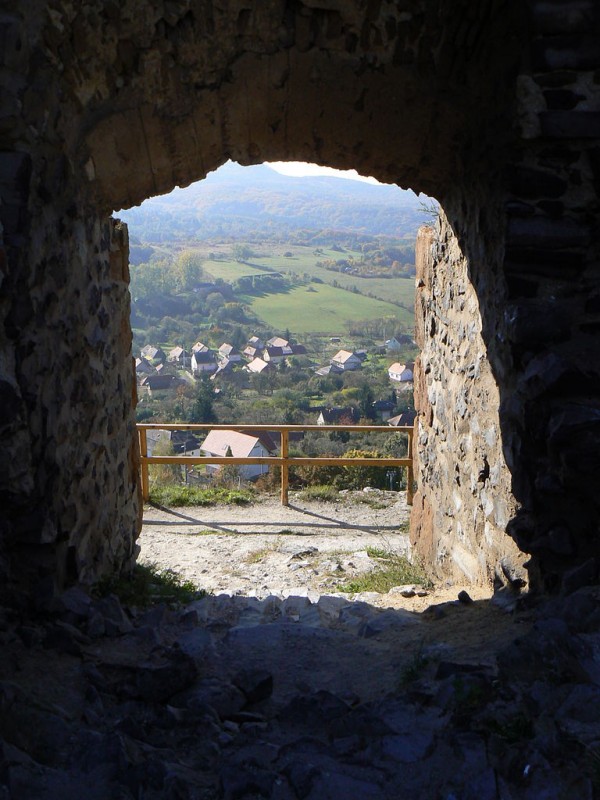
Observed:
{"x":255,"y":342}
{"x":225,"y":367}
{"x":179,"y":356}
{"x":258,"y":366}
{"x":183,"y":443}
{"x":238,"y":445}
{"x":338,"y":416}
{"x":160,"y":383}
{"x":203,"y":362}
{"x":144,"y":367}
{"x":402,"y":373}
{"x":405,"y":418}
{"x":330,"y":369}
{"x":200,"y":347}
{"x":251,"y":352}
{"x":152,"y":353}
{"x":277,"y":341}
{"x":382,"y":409}
{"x":275,"y":355}
{"x":346,"y":360}
{"x":393,"y":344}
{"x":228,"y":352}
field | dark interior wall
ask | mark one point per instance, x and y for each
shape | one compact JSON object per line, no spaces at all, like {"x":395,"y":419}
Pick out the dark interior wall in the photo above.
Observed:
{"x":108,"y":103}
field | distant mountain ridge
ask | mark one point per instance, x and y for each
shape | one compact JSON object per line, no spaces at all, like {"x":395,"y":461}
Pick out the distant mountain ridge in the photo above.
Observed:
{"x":242,"y":203}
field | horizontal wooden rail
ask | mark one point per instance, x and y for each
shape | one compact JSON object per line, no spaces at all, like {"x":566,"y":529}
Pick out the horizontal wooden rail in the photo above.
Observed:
{"x":284,"y":460}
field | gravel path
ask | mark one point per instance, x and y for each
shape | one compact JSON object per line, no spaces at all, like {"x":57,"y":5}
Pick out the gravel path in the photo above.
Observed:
{"x":306,"y":549}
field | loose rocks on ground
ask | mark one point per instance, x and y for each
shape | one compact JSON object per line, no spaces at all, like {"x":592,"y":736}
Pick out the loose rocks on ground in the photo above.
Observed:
{"x":237,"y":697}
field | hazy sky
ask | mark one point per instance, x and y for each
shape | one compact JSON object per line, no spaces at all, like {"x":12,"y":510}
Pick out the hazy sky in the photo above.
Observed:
{"x":298,"y":169}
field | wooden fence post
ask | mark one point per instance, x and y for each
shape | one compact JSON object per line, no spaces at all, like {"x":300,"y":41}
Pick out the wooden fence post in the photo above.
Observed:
{"x":144,"y":465}
{"x":284,"y":468}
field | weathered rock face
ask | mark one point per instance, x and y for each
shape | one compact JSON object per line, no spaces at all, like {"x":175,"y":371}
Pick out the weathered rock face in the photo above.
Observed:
{"x":525,"y":342}
{"x":464,"y":502}
{"x":104,"y":104}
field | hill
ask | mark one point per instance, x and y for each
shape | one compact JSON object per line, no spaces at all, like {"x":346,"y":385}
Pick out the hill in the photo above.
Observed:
{"x":259,"y":204}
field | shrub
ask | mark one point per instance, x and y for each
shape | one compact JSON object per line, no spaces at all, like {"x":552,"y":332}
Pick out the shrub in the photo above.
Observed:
{"x":361,"y":476}
{"x":394,"y":570}
{"x":319,"y":474}
{"x":147,"y":584}
{"x":173,"y":496}
{"x":325,"y":493}
{"x":270,"y":481}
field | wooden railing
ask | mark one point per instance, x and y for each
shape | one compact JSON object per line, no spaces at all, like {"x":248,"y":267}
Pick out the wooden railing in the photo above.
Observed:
{"x":284,"y":460}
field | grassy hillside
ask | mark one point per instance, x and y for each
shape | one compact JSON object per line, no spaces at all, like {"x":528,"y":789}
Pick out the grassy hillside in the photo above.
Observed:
{"x":319,"y":308}
{"x":303,"y":263}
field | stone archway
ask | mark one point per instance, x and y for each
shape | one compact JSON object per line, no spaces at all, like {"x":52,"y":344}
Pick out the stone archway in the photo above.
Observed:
{"x":110,"y":103}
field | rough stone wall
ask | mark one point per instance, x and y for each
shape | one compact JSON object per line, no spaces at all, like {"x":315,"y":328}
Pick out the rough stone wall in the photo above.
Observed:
{"x":551,"y":418}
{"x":68,"y":475}
{"x":535,"y":271}
{"x":551,"y":413}
{"x":463,"y":502}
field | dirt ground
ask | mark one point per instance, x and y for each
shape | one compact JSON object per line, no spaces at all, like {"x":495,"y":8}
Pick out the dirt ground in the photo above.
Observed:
{"x":309,"y":549}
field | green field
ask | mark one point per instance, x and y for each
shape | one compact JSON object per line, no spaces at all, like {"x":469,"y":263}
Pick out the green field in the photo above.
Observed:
{"x":230,"y":270}
{"x":303,"y":263}
{"x":319,"y":308}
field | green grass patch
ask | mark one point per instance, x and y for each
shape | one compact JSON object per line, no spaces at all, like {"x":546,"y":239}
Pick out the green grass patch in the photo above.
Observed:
{"x":413,"y":670}
{"x":304,"y":261}
{"x":372,"y":502}
{"x":258,"y":555}
{"x":148,"y":585}
{"x":173,"y":496}
{"x":378,"y":552}
{"x":395,"y":570}
{"x":323,"y":493}
{"x":320,"y":308}
{"x":230,"y":270}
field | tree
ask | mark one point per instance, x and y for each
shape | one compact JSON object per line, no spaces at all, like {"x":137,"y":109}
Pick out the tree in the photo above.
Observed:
{"x":202,"y":408}
{"x":214,"y":301}
{"x":365,"y":402}
{"x":187,"y":270}
{"x":238,"y":339}
{"x":241,"y":252}
{"x":261,"y":383}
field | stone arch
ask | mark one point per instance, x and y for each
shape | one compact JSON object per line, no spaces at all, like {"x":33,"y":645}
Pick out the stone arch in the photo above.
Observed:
{"x":110,"y":103}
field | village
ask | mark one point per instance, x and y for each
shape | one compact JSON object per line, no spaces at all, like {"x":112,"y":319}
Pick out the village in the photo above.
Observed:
{"x":226,"y":372}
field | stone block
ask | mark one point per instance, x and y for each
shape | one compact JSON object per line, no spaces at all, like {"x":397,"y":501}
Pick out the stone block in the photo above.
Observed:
{"x":527,"y":181}
{"x":570,"y":124}
{"x":567,"y":51}
{"x":527,"y":263}
{"x":562,"y":99}
{"x":544,"y":234}
{"x":535,"y":322}
{"x":564,"y":16}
